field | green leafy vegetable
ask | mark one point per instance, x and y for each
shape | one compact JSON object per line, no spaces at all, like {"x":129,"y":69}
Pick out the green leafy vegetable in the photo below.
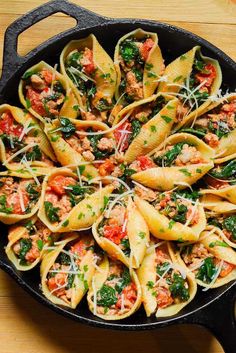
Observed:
{"x":106,"y":296}
{"x":170,"y":156}
{"x":124,"y":281}
{"x":229,"y":224}
{"x":51,"y":211}
{"x":25,"y":246}
{"x":67,"y":127}
{"x":178,"y":289}
{"x":161,"y":269}
{"x":207,"y":271}
{"x":228,"y":171}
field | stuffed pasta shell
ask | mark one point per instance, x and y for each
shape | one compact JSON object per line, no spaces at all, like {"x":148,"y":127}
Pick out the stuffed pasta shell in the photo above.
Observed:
{"x":146,"y":125}
{"x":194,"y":79}
{"x":139,"y":65}
{"x":67,"y":269}
{"x":22,"y":141}
{"x":166,"y":286}
{"x":92,"y":76}
{"x":114,"y":293}
{"x":171,"y":215}
{"x":179,"y":161}
{"x":26,"y":242}
{"x":122,"y":232}
{"x":46,"y":94}
{"x":68,"y":203}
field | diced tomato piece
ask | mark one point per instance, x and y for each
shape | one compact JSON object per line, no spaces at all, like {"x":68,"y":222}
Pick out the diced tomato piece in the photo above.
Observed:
{"x":13,"y":200}
{"x":59,"y":182}
{"x":130,"y":292}
{"x":208,"y":75}
{"x":215,"y":183}
{"x":55,"y":282}
{"x":146,"y":48}
{"x":164,"y":298}
{"x":226,"y":269}
{"x":47,"y":76}
{"x":146,"y":162}
{"x":79,"y":248}
{"x":122,"y":137}
{"x":35,"y":101}
{"x":88,"y":64}
{"x":9,"y":126}
{"x":106,"y":168}
{"x":32,"y":254}
{"x":114,"y":233}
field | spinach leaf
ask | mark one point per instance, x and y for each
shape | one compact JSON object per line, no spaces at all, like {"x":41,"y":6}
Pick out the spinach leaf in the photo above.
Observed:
{"x":126,"y":246}
{"x":161,"y":269}
{"x":106,"y":296}
{"x":74,"y":60}
{"x":136,"y":127}
{"x":35,"y":154}
{"x":3,"y":205}
{"x":138,"y":74}
{"x":25,"y":246}
{"x":103,"y":105}
{"x":33,"y":194}
{"x":226,"y":172}
{"x":129,"y":51}
{"x":222,"y":129}
{"x":191,"y":195}
{"x":51,"y":211}
{"x":177,"y":288}
{"x":67,"y":127}
{"x":170,"y":156}
{"x":123,"y":281}
{"x":12,"y":141}
{"x":181,"y":213}
{"x":229,"y":224}
{"x":207,"y":271}
{"x":64,"y":259}
{"x":94,"y":139}
{"x":70,"y":280}
{"x":199,"y":132}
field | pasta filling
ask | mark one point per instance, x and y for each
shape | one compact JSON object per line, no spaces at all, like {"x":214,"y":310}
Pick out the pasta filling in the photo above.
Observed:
{"x":61,"y":278}
{"x":227,"y":223}
{"x":18,"y":196}
{"x":44,"y":93}
{"x":222,"y":175}
{"x":118,"y":293}
{"x":83,"y":72}
{"x":133,"y":54}
{"x":29,"y":247}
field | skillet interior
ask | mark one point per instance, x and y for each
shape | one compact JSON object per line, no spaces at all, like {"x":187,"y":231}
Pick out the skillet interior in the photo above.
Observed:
{"x":173,"y":43}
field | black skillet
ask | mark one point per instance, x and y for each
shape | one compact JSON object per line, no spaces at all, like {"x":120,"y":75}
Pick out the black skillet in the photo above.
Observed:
{"x":213,"y":309}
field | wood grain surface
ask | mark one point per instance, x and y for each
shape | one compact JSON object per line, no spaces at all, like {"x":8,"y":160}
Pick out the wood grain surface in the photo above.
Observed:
{"x":25,"y":325}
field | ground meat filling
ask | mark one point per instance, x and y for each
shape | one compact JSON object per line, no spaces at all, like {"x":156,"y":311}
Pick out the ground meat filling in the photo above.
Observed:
{"x":170,"y":287}
{"x":29,"y":247}
{"x":61,"y":276}
{"x":133,"y":55}
{"x":62,"y":194}
{"x":203,"y":264}
{"x":44,"y":93}
{"x":114,"y":227}
{"x":227,"y":223}
{"x":18,"y":196}
{"x":118,"y":293}
{"x":217,"y":123}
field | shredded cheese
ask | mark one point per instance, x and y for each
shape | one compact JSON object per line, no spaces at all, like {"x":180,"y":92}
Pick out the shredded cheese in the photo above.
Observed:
{"x":29,"y":169}
{"x":21,"y":199}
{"x":24,"y":149}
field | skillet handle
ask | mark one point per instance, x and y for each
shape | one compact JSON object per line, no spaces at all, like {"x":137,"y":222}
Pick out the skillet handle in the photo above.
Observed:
{"x":219,"y":318}
{"x":11,"y":60}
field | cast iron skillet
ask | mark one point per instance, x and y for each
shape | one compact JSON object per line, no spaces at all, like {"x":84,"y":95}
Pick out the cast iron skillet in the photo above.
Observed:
{"x":213,"y":309}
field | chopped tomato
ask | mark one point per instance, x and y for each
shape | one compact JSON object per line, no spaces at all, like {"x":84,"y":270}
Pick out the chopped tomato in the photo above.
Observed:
{"x":164,"y":298}
{"x":9,"y":126}
{"x":106,"y":168}
{"x":59,"y":182}
{"x":13,"y":200}
{"x":130,"y":292}
{"x":35,"y":101}
{"x":145,"y":162}
{"x":55,"y":282}
{"x":32,"y":254}
{"x":146,"y":47}
{"x":215,"y":183}
{"x":121,"y":137}
{"x":226,"y":269}
{"x":79,"y":248}
{"x":88,"y":64}
{"x":114,"y":233}
{"x":207,"y":75}
{"x":47,"y":76}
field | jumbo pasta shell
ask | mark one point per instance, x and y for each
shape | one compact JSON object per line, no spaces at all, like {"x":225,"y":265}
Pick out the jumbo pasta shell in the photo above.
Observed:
{"x":78,"y":289}
{"x":70,"y":101}
{"x":16,"y":233}
{"x":217,"y":204}
{"x":160,"y":227}
{"x":105,"y":76}
{"x":166,"y":178}
{"x":99,"y":279}
{"x":152,"y":133}
{"x":226,"y":193}
{"x":210,"y":239}
{"x":147,"y":275}
{"x":178,"y":71}
{"x":154,"y":61}
{"x":27,"y":121}
{"x":138,"y":236}
{"x":83,"y":215}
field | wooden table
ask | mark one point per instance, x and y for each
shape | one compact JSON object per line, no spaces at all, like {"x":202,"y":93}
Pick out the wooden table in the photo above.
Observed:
{"x":25,"y":325}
